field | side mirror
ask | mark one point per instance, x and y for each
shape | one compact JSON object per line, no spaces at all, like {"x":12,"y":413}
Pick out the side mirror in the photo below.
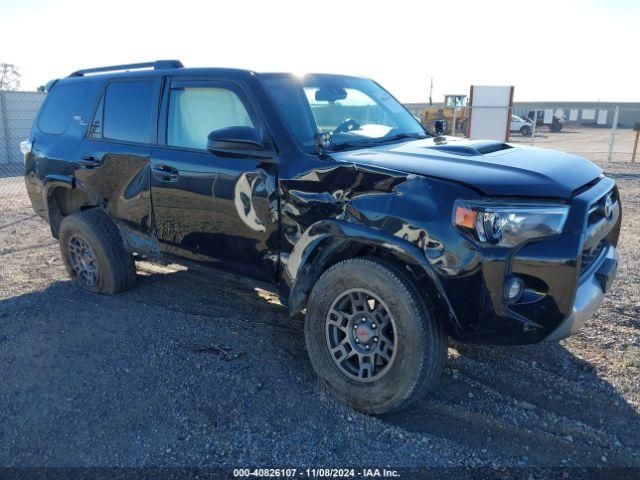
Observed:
{"x":237,"y":142}
{"x":440,"y":126}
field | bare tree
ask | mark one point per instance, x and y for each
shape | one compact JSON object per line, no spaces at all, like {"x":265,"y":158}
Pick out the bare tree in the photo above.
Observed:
{"x":9,"y":77}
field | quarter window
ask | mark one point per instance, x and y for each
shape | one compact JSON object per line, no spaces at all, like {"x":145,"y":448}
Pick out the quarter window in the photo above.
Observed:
{"x":125,"y":112}
{"x":61,"y":104}
{"x":194,"y":112}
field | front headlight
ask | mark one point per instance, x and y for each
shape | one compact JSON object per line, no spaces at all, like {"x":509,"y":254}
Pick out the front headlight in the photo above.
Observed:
{"x":508,"y":225}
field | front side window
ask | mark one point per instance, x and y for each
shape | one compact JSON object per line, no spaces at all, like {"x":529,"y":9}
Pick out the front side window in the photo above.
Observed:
{"x":194,"y":112}
{"x":356,"y":111}
{"x":126,"y":112}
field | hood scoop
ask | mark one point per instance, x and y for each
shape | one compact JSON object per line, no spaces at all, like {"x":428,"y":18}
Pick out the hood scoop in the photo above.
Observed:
{"x":478,"y":148}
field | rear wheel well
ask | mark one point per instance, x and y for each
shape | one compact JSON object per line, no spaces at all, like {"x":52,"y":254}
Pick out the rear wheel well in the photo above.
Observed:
{"x":336,"y":251}
{"x":63,"y":202}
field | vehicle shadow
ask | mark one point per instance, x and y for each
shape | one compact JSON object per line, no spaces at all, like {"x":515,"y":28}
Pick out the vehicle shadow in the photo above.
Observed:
{"x":210,"y":287}
{"x":538,"y":402}
{"x":182,"y":362}
{"x":540,"y":405}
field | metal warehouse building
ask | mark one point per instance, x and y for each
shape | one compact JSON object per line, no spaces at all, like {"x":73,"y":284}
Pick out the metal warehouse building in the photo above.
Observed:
{"x":583,"y":113}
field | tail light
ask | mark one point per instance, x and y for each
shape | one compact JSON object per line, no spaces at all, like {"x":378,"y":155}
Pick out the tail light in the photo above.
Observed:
{"x":26,"y":146}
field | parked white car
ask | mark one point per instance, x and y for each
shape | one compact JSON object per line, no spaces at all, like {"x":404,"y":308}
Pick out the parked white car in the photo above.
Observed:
{"x":519,"y":124}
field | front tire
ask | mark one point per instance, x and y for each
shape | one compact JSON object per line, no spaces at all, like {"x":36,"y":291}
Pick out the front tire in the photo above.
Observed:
{"x":372,"y":339}
{"x":525,"y":130}
{"x":93,"y":253}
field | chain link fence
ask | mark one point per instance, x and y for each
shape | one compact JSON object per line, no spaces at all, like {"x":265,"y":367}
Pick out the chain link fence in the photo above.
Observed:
{"x":17,"y":111}
{"x":625,"y":134}
{"x":604,"y":134}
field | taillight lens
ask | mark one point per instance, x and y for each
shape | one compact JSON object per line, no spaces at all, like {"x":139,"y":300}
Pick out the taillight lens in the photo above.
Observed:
{"x":26,"y":146}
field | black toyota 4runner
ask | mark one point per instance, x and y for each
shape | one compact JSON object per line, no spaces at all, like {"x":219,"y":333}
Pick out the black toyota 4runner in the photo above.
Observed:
{"x":390,"y":238}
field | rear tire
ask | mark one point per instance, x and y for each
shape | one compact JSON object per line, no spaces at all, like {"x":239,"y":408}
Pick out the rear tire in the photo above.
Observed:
{"x":387,"y":381}
{"x":525,"y":130}
{"x":93,"y":253}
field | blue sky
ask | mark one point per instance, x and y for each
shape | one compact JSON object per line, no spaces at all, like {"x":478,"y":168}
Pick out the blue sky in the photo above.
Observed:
{"x":550,"y":50}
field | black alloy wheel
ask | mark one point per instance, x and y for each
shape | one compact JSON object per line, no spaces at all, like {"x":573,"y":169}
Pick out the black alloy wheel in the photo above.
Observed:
{"x":361,"y":335}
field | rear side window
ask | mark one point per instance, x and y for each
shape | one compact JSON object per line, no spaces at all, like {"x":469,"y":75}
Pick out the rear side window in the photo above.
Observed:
{"x":61,"y":105}
{"x":126,"y":112}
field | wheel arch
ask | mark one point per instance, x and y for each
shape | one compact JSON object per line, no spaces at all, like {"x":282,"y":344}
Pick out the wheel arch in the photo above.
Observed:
{"x":63,"y":198}
{"x":329,"y":242}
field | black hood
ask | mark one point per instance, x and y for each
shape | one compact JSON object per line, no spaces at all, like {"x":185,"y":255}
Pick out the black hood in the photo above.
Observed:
{"x":491,"y":167}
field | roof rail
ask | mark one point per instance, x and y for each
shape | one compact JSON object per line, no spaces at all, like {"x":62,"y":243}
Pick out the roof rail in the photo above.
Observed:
{"x":157,"y":65}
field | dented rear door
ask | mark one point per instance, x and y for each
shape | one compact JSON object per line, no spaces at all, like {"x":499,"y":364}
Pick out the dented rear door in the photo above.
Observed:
{"x":113,"y":160}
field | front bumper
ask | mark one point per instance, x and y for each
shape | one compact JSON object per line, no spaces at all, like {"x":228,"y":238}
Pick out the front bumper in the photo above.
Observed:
{"x":589,"y":295}
{"x":563,"y":278}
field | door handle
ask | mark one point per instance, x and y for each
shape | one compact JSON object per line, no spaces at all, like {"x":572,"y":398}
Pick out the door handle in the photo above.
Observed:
{"x":90,"y":162}
{"x":165,"y":173}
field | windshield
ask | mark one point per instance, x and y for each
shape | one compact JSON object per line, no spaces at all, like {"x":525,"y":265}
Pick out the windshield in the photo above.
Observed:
{"x":355,"y":111}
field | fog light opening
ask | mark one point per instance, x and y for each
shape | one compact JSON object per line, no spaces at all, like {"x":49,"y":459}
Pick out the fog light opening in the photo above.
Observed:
{"x":513,"y":289}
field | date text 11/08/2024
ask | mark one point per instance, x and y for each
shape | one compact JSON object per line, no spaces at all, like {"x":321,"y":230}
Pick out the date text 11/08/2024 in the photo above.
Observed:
{"x":316,"y":473}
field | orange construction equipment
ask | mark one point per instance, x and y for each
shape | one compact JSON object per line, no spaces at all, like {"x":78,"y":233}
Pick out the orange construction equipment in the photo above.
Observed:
{"x":454,"y":112}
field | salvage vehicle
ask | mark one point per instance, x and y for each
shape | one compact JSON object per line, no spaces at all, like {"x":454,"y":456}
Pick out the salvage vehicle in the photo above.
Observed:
{"x":390,"y":240}
{"x":518,"y":124}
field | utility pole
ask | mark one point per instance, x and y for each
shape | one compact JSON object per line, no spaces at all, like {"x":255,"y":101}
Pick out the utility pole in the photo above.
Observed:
{"x":431,"y":93}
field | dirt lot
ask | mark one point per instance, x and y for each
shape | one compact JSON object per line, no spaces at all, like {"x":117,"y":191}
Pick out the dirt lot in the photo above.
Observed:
{"x":197,"y":370}
{"x":591,"y":142}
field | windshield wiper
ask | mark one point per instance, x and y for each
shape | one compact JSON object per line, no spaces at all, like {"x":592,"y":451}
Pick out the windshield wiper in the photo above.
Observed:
{"x":399,"y":136}
{"x":368,"y":143}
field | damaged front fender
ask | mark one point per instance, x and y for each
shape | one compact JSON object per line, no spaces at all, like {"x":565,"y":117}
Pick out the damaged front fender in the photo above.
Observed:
{"x":342,"y":210}
{"x":327,"y":242}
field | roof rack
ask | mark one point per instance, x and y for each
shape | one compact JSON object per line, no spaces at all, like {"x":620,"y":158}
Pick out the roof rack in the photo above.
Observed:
{"x":157,"y":65}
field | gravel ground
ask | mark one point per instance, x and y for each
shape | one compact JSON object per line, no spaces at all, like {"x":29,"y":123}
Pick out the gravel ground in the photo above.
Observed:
{"x":195,"y":369}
